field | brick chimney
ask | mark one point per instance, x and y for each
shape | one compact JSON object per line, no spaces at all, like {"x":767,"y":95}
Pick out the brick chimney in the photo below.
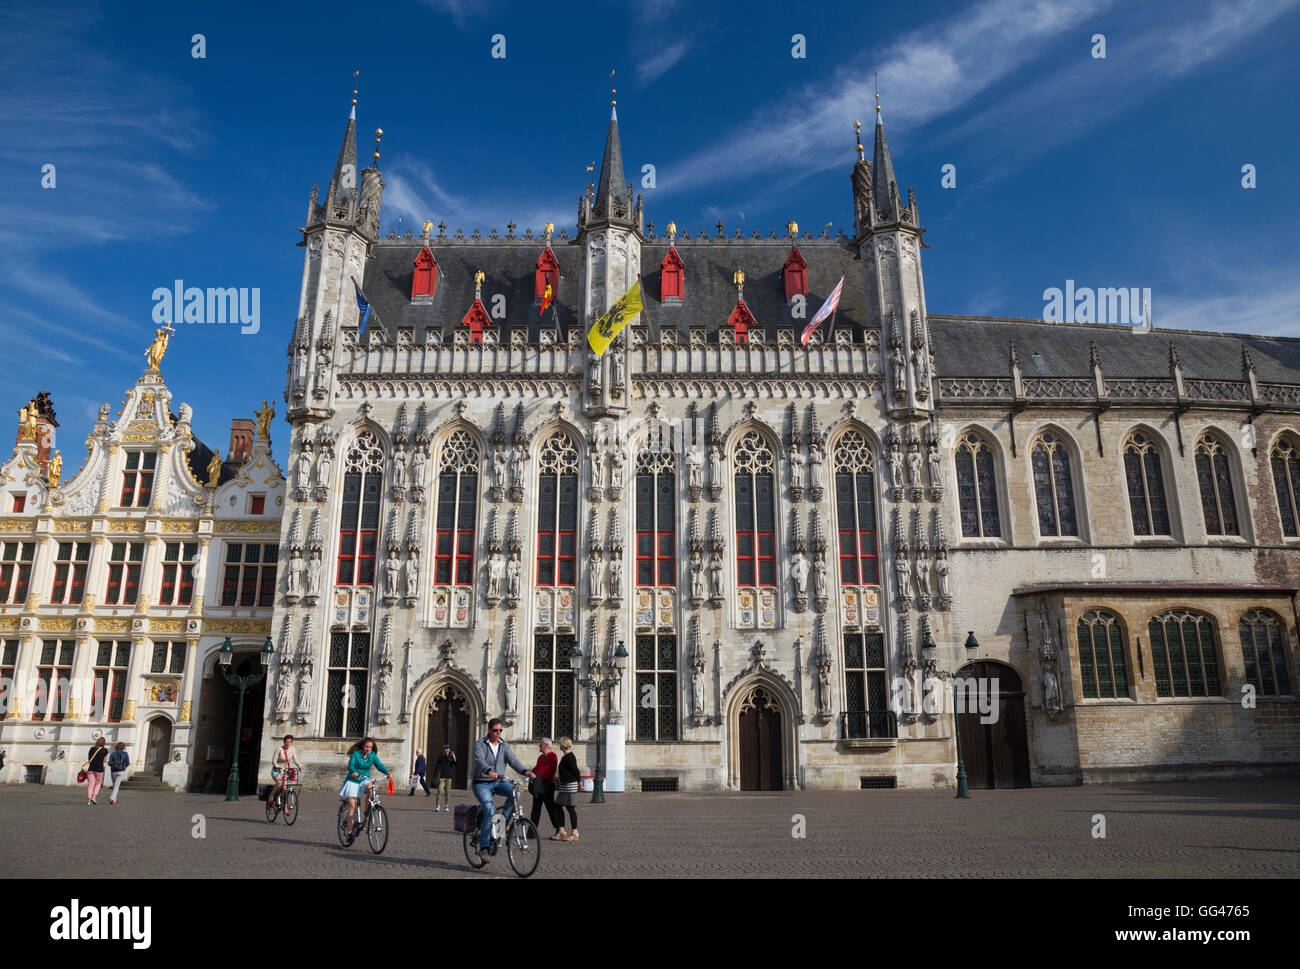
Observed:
{"x":241,"y":439}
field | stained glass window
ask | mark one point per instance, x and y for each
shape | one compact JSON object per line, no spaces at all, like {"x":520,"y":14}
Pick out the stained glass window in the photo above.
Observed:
{"x":1185,"y":654}
{"x":363,"y":484}
{"x":453,"y":550}
{"x":1263,"y":649}
{"x":1214,"y":479}
{"x":1285,"y":460}
{"x":554,"y":704}
{"x":977,"y":491}
{"x":345,"y":693}
{"x":1053,"y":486}
{"x":656,"y":519}
{"x":755,"y":511}
{"x":557,"y":511}
{"x":656,"y":687}
{"x":1102,"y":663}
{"x":1146,"y":486}
{"x":855,"y":509}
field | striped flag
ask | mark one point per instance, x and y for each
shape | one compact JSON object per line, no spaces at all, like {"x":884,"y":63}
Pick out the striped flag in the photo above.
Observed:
{"x":827,"y":309}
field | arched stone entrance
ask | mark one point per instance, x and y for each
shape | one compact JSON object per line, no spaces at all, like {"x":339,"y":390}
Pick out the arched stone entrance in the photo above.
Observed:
{"x":157,"y":745}
{"x":996,"y":754}
{"x":761,"y":736}
{"x":448,"y":711}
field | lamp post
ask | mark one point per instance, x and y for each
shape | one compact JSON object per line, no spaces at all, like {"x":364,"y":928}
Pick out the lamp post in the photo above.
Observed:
{"x":225,"y":655}
{"x":963,"y":791}
{"x":599,"y":686}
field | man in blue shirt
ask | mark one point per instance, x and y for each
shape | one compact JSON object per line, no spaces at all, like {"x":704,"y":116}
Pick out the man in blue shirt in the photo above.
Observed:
{"x":491,"y":755}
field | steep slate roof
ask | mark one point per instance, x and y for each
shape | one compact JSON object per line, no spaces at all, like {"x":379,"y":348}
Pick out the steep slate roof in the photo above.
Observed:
{"x":710,"y":293}
{"x":972,"y":346}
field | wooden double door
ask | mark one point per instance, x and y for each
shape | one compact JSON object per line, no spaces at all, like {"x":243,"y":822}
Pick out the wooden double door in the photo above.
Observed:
{"x":761,"y":726}
{"x":449,"y":723}
{"x":996,"y":754}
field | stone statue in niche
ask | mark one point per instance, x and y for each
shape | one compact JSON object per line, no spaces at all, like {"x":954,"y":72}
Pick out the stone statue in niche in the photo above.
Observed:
{"x":417,"y":467}
{"x":941,"y":573}
{"x":282,"y":685}
{"x":903,"y":573}
{"x":823,"y":688}
{"x":304,"y":693}
{"x":1051,"y":690}
{"x":517,"y":460}
{"x":921,"y":368}
{"x":932,"y":456}
{"x":595,"y":574}
{"x":322,"y":368}
{"x":512,"y":686}
{"x":715,"y":466}
{"x":815,"y":468}
{"x":922,"y":575}
{"x":819,"y":575}
{"x":697,"y":576}
{"x":412,"y":569}
{"x":617,"y":365}
{"x":715,"y":576}
{"x":498,"y":467}
{"x":899,"y":367}
{"x":399,"y":467}
{"x":496,"y":572}
{"x":697,"y":689}
{"x":695,"y":467}
{"x":796,"y":469}
{"x":293,"y":584}
{"x":304,"y":466}
{"x":391,"y":569}
{"x":385,"y":689}
{"x":616,"y":468}
{"x":299,"y":368}
{"x":313,"y":573}
{"x":895,"y":463}
{"x":595,"y":375}
{"x":512,"y":574}
{"x":324,"y":466}
{"x":914,"y":464}
{"x":799,"y":573}
{"x":616,"y":578}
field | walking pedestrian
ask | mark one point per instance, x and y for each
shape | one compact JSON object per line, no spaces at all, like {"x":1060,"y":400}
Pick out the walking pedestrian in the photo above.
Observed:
{"x":95,"y":769}
{"x":568,"y":775}
{"x":417,"y":779}
{"x":118,"y":762}
{"x":543,"y":788}
{"x":445,"y":770}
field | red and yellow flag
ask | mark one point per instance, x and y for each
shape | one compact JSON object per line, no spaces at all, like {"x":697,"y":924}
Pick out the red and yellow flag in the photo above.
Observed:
{"x":547,"y":297}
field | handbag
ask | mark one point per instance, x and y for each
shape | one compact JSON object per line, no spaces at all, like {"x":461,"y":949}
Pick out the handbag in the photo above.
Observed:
{"x":415,"y":781}
{"x":390,"y":784}
{"x":81,"y":777}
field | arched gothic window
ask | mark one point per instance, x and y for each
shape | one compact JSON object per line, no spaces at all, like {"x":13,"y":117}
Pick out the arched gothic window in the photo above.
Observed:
{"x":1053,"y":486}
{"x":557,"y":511}
{"x":453,"y":546}
{"x":977,"y":489}
{"x":1263,"y":639}
{"x":1286,"y":481}
{"x":855,"y":509}
{"x":656,"y":518}
{"x":755,"y":511}
{"x":1214,"y":479}
{"x":1103,"y":667}
{"x":1185,"y":654}
{"x":363,"y":485}
{"x":1146,"y":485}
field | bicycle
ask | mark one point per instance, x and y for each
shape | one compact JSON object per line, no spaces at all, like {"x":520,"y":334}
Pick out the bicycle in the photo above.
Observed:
{"x":375,"y":821}
{"x":288,"y":802}
{"x":523,"y":845}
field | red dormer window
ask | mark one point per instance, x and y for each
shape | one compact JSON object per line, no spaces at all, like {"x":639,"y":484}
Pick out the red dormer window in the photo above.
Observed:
{"x":796,"y":275}
{"x":426,"y":274}
{"x":741,"y":320}
{"x":548,"y":272}
{"x":477,"y":320}
{"x":672,"y":276}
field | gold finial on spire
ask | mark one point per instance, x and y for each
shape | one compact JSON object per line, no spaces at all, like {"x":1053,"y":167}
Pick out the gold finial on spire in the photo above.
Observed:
{"x":612,"y":90}
{"x":877,"y":89}
{"x":738,"y":277}
{"x":672,"y":232}
{"x":428,"y":224}
{"x":379,"y":133}
{"x":548,"y":229}
{"x":857,"y":133}
{"x":478,"y":284}
{"x":792,"y":228}
{"x":354,"y":88}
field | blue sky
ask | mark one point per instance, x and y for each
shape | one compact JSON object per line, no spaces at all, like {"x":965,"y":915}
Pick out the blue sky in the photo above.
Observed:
{"x":1117,"y":172}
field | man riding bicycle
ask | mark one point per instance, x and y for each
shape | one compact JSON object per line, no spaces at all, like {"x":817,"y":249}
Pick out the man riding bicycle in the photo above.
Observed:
{"x":282,"y":762}
{"x":491,"y":755}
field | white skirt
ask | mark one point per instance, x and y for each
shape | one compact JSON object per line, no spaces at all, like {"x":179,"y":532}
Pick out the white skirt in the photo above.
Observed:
{"x":352,"y":789}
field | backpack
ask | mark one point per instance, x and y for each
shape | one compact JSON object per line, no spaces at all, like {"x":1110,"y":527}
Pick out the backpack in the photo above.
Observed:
{"x":118,"y":760}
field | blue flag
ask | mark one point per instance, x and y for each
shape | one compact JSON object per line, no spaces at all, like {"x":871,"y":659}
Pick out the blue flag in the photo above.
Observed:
{"x":363,"y":307}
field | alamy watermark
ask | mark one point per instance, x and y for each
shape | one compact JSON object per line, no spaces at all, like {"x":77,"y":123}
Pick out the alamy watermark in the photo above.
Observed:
{"x":1125,"y":306}
{"x":216,"y":304}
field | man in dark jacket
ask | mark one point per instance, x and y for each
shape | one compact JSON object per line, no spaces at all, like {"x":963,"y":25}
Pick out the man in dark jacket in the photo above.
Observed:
{"x":491,"y":755}
{"x":421,"y":768}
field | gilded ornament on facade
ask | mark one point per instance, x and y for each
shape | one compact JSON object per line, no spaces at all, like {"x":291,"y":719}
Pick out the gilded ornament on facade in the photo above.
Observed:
{"x":158,"y":347}
{"x":214,"y":469}
{"x":56,"y":625}
{"x":264,"y":417}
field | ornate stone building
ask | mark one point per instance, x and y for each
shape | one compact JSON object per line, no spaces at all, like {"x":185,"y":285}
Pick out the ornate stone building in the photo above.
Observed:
{"x":121,"y":582}
{"x":777,"y":553}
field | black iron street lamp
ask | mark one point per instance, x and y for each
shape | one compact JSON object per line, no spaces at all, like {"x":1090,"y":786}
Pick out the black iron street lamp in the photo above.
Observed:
{"x":963,"y":791}
{"x":225,"y":655}
{"x":599,"y":686}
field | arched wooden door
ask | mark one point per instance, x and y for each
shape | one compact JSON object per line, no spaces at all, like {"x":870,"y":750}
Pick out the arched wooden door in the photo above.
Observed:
{"x":449,"y":724}
{"x":760,"y":741}
{"x":158,"y":745}
{"x":996,"y":754}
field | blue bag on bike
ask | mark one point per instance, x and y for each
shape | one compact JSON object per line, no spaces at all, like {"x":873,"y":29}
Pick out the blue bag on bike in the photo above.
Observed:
{"x":466,"y":817}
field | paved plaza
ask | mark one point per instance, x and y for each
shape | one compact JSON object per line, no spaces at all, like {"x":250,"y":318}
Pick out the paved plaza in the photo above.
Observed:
{"x":1247,"y":828}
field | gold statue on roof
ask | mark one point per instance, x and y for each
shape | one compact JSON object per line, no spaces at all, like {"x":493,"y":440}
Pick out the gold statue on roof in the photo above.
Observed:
{"x":27,"y":417}
{"x":214,"y":469}
{"x":55,"y":469}
{"x":158,"y":347}
{"x":264,"y":417}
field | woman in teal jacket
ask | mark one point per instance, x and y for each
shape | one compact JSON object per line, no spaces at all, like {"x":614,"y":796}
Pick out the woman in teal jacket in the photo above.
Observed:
{"x":362,"y":756}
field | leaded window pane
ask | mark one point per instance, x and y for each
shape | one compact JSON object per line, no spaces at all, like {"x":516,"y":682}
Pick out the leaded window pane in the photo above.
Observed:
{"x":159,"y":662}
{"x":966,"y":495}
{"x":666,"y":699}
{"x":1064,"y":487}
{"x":988,"y":493}
{"x":645,"y":711}
{"x":1041,"y":464}
{"x":1286,"y":503}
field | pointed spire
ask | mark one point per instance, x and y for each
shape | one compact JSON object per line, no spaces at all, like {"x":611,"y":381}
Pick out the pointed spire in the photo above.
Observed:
{"x":315,"y":539}
{"x":305,"y":640}
{"x":715,"y":530}
{"x":611,"y":193}
{"x":1094,"y":355}
{"x":593,"y":534}
{"x":614,"y":535}
{"x":286,"y":640}
{"x":1174,"y":362}
{"x":499,"y":425}
{"x":493,"y":533}
{"x":295,"y":530}
{"x":343,"y":184}
{"x":1247,"y":364}
{"x":937,"y":536}
{"x":391,"y":531}
{"x":900,"y":539}
{"x":412,"y":531}
{"x":918,"y":531}
{"x":818,"y":535}
{"x":512,"y":532}
{"x":796,"y":532}
{"x":693,"y":539}
{"x":884,"y":187}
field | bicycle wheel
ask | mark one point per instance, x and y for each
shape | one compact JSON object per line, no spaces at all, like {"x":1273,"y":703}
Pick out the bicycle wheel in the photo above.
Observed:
{"x":343,"y":823}
{"x":290,"y":806}
{"x":471,"y":848}
{"x":523,"y":846}
{"x":272,"y":808}
{"x":377,"y":829}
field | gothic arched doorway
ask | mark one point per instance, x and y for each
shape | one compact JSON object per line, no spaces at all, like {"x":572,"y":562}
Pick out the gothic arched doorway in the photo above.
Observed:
{"x":449,"y":723}
{"x":996,"y":754}
{"x":760,"y":737}
{"x":158,"y":745}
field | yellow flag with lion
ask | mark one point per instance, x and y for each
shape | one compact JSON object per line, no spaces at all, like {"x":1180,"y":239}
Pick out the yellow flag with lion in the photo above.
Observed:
{"x":605,"y":329}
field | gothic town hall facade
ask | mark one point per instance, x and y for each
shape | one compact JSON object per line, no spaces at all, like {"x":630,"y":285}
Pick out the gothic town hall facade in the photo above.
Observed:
{"x":787,"y":566}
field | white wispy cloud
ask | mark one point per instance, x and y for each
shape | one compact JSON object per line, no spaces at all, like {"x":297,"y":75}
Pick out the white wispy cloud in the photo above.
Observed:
{"x":460,"y":11}
{"x":412,"y":192}
{"x":662,"y":60}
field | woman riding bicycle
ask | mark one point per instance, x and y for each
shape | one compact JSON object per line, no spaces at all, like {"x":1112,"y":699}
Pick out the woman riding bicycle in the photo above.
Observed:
{"x":283,"y":762}
{"x":362,"y":756}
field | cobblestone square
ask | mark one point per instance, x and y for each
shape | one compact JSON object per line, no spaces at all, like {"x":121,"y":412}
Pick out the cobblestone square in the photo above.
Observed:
{"x":1243,"y":828}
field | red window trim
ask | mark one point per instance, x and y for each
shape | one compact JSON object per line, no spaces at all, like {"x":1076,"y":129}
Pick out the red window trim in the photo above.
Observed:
{"x":546,"y":271}
{"x":672,"y":276}
{"x":795,"y":273}
{"x":424,"y":282}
